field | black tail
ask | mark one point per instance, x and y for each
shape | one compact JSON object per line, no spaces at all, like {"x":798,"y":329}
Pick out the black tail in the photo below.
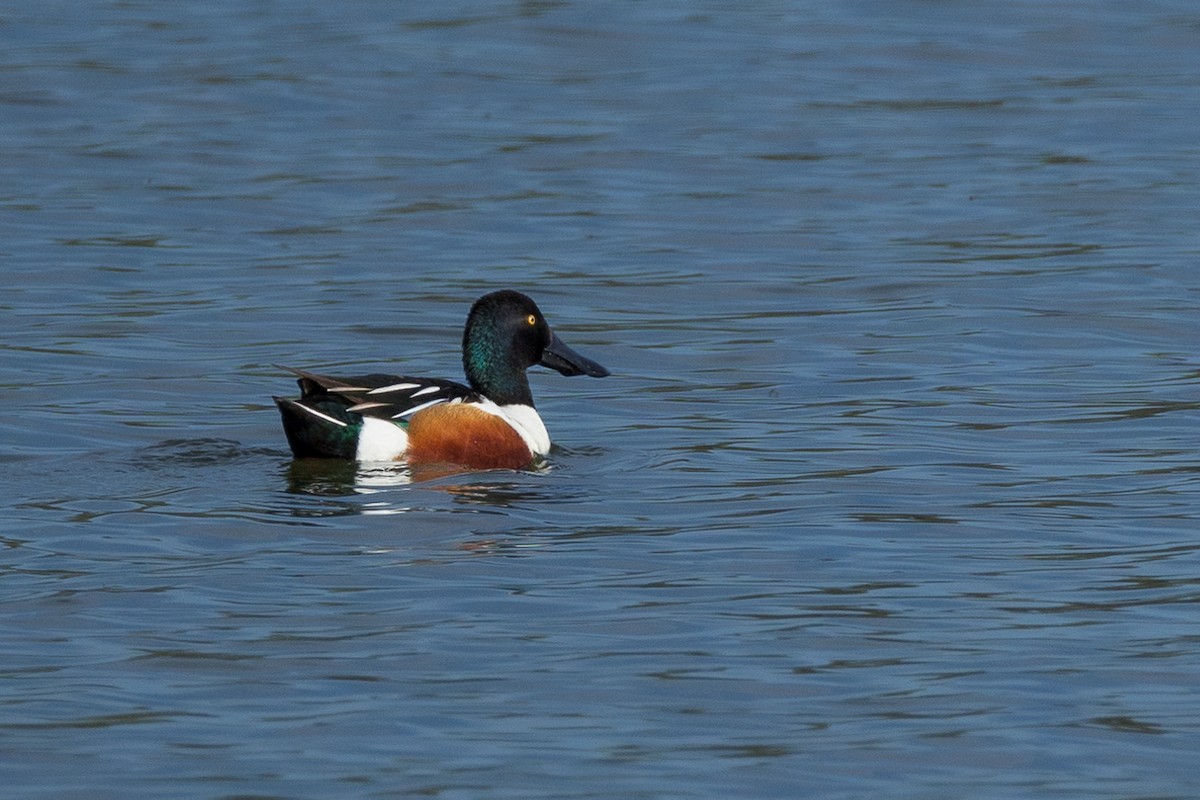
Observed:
{"x":319,"y":429}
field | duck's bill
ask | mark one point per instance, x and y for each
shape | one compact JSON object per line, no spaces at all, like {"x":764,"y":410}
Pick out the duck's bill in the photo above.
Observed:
{"x":558,"y":356}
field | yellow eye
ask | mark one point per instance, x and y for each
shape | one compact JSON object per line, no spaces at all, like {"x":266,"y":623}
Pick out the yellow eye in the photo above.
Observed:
{"x":532,"y":320}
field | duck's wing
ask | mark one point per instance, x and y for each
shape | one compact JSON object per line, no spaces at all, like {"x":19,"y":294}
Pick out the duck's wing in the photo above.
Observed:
{"x":392,"y":397}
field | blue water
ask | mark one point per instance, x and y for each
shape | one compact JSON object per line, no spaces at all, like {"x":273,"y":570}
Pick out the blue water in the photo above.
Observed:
{"x":893,"y":491}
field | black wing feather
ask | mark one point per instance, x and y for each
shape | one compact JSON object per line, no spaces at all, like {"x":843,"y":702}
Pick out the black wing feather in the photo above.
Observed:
{"x":380,"y":395}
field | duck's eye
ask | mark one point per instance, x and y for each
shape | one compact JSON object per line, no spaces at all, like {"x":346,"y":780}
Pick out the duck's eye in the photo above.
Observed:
{"x":531,"y":320}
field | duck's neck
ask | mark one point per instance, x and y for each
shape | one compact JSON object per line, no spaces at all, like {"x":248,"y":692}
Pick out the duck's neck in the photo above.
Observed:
{"x":494,"y":371}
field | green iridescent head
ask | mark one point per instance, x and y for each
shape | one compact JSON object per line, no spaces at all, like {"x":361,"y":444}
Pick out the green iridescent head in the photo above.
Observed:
{"x":505,"y":335}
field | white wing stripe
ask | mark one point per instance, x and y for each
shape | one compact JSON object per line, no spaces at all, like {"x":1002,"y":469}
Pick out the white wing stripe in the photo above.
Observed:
{"x":325,"y":417}
{"x":367,"y":405}
{"x":395,"y":387}
{"x":417,"y":408}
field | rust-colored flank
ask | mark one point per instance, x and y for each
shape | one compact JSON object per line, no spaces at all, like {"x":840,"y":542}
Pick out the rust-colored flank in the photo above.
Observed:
{"x":459,"y":433}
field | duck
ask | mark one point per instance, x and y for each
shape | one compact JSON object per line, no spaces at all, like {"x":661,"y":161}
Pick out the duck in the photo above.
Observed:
{"x":488,"y":423}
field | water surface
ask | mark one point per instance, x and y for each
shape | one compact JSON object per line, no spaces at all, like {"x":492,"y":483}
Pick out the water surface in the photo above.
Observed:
{"x":892,"y":491}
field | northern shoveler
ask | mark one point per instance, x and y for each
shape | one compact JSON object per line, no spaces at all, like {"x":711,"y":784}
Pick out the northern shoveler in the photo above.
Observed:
{"x":490,"y":424}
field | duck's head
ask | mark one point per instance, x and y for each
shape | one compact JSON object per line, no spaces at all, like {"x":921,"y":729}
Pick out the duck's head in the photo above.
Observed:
{"x":505,"y":335}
